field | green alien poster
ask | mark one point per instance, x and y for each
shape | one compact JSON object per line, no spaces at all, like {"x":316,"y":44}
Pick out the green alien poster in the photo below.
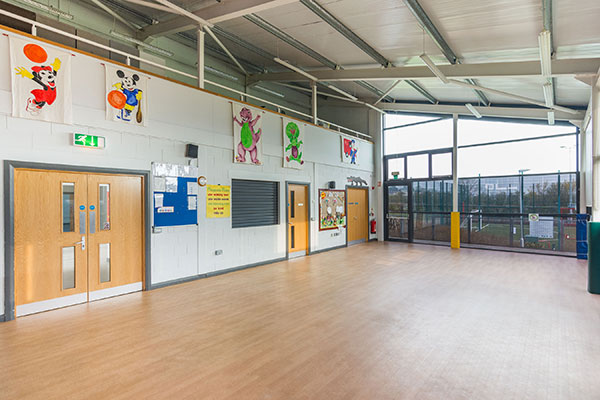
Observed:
{"x":293,"y":149}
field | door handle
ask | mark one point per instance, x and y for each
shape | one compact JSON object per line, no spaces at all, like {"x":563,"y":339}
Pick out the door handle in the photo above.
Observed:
{"x":82,"y":243}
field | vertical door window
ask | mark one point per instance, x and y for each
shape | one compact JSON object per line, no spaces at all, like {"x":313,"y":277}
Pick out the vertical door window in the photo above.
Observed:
{"x":104,"y":207}
{"x":68,"y":267}
{"x":68,"y":207}
{"x":104,"y":255}
{"x":293,"y":204}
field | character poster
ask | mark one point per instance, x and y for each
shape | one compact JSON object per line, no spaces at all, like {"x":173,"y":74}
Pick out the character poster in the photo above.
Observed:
{"x":41,"y":81}
{"x":332,"y":209}
{"x":350,"y":150}
{"x":247,"y":135}
{"x":126,"y":96}
{"x":293,"y":140}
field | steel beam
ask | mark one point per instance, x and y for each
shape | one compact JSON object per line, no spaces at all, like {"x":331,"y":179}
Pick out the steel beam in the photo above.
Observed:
{"x":346,"y":32}
{"x":361,"y":44}
{"x":491,"y":111}
{"x":218,"y":12}
{"x":582,"y":67}
{"x":425,"y":22}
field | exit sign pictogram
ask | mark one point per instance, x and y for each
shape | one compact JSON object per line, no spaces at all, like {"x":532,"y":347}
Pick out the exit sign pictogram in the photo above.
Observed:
{"x":91,"y":141}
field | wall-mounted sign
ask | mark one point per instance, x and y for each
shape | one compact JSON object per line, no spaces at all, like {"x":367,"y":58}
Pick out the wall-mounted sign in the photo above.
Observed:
{"x":90,"y":141}
{"x":218,"y":201}
{"x":202,"y":181}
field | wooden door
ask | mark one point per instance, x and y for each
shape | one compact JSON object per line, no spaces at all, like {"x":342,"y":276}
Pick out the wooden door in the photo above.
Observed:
{"x":116,"y":247}
{"x":50,"y":265}
{"x":358,"y":215}
{"x":298,"y":224}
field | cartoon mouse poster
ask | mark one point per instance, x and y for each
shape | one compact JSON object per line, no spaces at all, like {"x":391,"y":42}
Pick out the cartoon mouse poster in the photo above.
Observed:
{"x":41,"y":81}
{"x":126,"y":96}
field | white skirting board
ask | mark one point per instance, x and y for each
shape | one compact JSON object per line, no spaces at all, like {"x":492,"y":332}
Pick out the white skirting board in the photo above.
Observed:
{"x":116,"y":291}
{"x":65,"y":301}
{"x":51,"y":304}
{"x":295,"y":254}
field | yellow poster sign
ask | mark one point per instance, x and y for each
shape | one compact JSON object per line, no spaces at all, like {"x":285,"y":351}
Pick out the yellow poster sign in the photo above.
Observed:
{"x":218,"y":201}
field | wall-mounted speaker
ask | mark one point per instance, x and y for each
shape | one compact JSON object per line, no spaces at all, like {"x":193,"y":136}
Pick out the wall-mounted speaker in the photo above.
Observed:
{"x":191,"y":151}
{"x":331,"y":185}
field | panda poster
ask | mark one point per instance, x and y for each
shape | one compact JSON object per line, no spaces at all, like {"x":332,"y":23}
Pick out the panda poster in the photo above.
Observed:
{"x":247,"y":135}
{"x":350,"y":150}
{"x":41,"y":81}
{"x":293,"y":135}
{"x":126,"y":96}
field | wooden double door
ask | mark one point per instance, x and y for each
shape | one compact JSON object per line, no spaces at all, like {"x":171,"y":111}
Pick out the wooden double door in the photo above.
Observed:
{"x":78,"y":237}
{"x":358,"y":215}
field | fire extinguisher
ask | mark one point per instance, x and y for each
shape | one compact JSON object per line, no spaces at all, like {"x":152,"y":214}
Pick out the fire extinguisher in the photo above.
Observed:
{"x":373,"y":222}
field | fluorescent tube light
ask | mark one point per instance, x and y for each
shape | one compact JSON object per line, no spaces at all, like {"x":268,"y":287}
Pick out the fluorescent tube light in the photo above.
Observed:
{"x":220,"y":73}
{"x":147,"y":46}
{"x":548,"y":94}
{"x":274,"y":93}
{"x":473,"y":110}
{"x":49,"y":9}
{"x":436,"y":71}
{"x":296,"y":69}
{"x":550,"y":117}
{"x":545,"y":43}
{"x":340,"y":91}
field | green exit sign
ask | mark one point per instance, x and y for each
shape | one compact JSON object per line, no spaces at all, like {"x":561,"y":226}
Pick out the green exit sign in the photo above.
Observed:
{"x":91,"y":141}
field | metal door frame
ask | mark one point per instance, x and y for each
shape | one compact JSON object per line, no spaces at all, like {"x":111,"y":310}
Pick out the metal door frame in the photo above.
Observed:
{"x":9,"y":221}
{"x":287,"y":217}
{"x":408,"y":185}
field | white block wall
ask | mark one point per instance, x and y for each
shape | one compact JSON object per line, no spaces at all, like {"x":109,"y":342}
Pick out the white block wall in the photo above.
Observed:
{"x":178,"y":115}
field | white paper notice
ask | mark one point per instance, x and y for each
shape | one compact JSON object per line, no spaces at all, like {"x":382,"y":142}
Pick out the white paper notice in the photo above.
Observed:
{"x":158,"y":200}
{"x":159,"y":184}
{"x":171,"y":185}
{"x":192,"y":188}
{"x":192,"y":202}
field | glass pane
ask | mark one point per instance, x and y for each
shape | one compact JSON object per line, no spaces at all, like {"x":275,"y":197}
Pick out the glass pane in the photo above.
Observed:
{"x":480,"y":131}
{"x":397,"y":212}
{"x":68,"y":207}
{"x":68,"y":267}
{"x":433,"y":135}
{"x":418,"y":166}
{"x":104,"y":262}
{"x":442,"y":164}
{"x":104,"y":207}
{"x":536,"y":156}
{"x":396,"y":168}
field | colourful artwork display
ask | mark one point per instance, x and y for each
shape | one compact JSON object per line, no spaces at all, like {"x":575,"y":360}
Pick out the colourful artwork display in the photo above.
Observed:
{"x":247,"y":132}
{"x":218,"y":201}
{"x":292,"y":144}
{"x":350,"y":149}
{"x":332,"y":209}
{"x":41,"y":81}
{"x":126,"y":93}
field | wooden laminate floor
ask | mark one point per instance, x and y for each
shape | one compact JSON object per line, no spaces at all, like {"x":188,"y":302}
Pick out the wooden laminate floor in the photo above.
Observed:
{"x":374,"y":321}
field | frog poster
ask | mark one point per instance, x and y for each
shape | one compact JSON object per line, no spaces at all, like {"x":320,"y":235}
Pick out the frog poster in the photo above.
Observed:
{"x":41,"y":81}
{"x":293,"y":141}
{"x":126,"y":96}
{"x":247,"y":135}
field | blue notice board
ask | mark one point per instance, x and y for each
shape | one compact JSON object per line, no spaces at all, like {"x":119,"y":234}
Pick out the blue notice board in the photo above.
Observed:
{"x":175,"y":208}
